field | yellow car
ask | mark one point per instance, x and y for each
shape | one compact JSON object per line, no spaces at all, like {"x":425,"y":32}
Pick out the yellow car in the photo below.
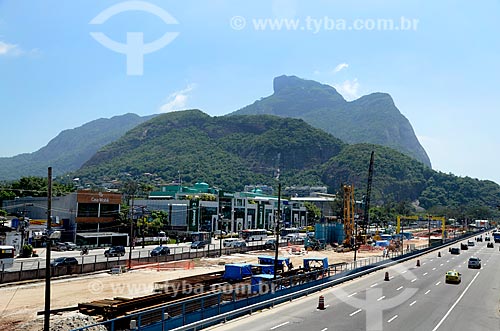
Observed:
{"x":453,"y":276}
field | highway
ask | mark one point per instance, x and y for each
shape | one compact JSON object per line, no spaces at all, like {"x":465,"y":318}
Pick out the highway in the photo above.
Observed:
{"x":415,"y":298}
{"x":97,"y":255}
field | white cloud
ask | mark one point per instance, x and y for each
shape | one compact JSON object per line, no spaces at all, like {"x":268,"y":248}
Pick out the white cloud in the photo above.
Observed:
{"x":349,"y":89}
{"x":177,"y":100}
{"x":10,"y":49}
{"x":340,"y":67}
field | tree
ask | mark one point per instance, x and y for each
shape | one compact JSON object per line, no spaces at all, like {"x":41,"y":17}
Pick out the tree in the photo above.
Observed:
{"x":313,"y":212}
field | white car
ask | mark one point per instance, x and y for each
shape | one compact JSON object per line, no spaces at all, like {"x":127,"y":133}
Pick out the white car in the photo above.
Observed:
{"x":229,"y":242}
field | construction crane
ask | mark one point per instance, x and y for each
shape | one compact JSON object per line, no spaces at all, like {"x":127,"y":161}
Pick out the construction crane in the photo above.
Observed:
{"x":348,"y":215}
{"x":366,"y":220}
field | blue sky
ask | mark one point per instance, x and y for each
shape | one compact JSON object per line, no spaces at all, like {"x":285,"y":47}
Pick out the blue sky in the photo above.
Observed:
{"x":443,"y":72}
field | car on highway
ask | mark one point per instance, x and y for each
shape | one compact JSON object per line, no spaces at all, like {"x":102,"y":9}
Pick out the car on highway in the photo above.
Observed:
{"x":479,"y":239}
{"x":114,"y":251}
{"x":64,"y":261}
{"x":490,"y":245}
{"x":470,"y":243}
{"x":487,"y":239}
{"x":455,"y":250}
{"x":464,"y":247}
{"x":453,"y":276}
{"x":474,"y":263}
{"x":160,"y":250}
{"x":197,"y":244}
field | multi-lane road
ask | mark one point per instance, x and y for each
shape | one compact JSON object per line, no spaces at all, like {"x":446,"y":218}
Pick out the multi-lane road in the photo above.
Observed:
{"x":415,"y":298}
{"x":97,"y":255}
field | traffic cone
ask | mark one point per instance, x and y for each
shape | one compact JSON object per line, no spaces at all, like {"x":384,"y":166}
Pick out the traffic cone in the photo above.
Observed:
{"x":418,"y":263}
{"x":321,"y":303}
{"x":386,"y":276}
{"x":439,"y":254}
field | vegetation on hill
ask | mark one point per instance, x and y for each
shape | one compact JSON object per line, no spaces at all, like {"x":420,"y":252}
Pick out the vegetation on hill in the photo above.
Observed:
{"x":70,"y":149}
{"x":231,"y":151}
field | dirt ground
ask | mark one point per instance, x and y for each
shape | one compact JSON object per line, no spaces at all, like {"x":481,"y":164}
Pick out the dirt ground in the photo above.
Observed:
{"x":19,"y":304}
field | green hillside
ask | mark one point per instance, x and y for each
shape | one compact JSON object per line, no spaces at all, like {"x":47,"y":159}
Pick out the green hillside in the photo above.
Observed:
{"x":231,"y":151}
{"x":69,"y":149}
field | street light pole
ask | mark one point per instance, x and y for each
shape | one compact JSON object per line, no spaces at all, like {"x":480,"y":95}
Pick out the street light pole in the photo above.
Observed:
{"x":277,"y":230}
{"x":429,"y":228}
{"x":220,"y":235}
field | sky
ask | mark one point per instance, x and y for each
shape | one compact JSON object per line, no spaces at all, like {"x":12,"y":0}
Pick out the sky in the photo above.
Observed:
{"x":65,"y":63}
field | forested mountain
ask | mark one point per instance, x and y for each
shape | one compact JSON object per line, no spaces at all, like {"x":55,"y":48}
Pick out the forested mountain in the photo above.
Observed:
{"x":373,"y":118}
{"x":231,"y":151}
{"x":228,"y":152}
{"x":70,"y":149}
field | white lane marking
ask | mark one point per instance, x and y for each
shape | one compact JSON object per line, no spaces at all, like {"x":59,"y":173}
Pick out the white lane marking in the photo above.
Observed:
{"x":438,"y":283}
{"x":413,"y":280}
{"x":392,"y":318}
{"x":324,"y":329}
{"x":392,"y":277}
{"x":433,"y":268}
{"x":381,"y":298}
{"x":425,"y":273}
{"x":399,"y":288}
{"x":277,"y":326}
{"x":327,"y":306}
{"x":464,"y":262}
{"x":352,"y":294}
{"x":411,"y":304}
{"x":427,"y":291}
{"x":447,"y":261}
{"x":373,"y":285}
{"x":355,"y":312}
{"x":423,"y":263}
{"x":431,"y":260}
{"x":456,"y":302}
{"x":441,"y":265}
{"x":404,"y":271}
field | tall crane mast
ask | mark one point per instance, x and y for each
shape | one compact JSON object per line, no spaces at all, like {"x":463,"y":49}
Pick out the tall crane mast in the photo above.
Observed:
{"x":366,"y":220}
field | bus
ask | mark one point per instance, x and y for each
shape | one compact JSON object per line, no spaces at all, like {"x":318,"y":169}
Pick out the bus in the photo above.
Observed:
{"x":6,"y":257}
{"x":254,"y":234}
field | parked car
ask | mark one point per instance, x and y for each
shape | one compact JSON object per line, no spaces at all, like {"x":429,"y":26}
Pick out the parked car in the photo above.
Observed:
{"x":115,"y":251}
{"x":229,"y":242}
{"x":70,"y":246}
{"x":239,"y":244}
{"x":160,"y":250}
{"x":270,"y":244}
{"x":455,"y":251}
{"x":453,"y":276}
{"x":198,"y":244}
{"x":64,"y":261}
{"x":474,"y":262}
{"x":60,"y":247}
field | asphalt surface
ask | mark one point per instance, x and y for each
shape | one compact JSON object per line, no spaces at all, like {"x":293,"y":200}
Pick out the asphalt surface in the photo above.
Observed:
{"x":97,"y":255}
{"x":415,"y":298}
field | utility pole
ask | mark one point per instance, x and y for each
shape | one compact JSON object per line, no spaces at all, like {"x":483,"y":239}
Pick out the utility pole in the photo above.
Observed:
{"x":46,"y":321}
{"x":131,"y":242}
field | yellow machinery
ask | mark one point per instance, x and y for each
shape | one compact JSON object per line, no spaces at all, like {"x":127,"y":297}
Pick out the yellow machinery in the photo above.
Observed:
{"x":420,"y":218}
{"x":348,"y":214}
